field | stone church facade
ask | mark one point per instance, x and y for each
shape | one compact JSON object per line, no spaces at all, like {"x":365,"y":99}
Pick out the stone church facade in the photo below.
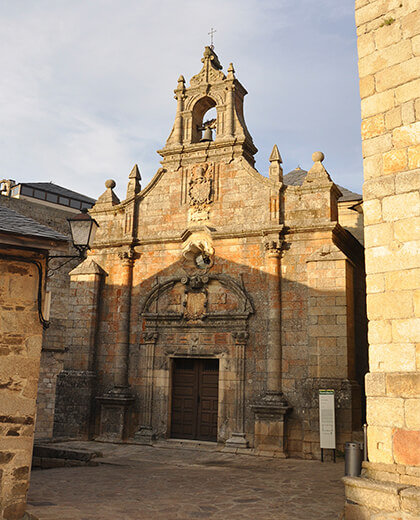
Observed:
{"x":216,"y":301}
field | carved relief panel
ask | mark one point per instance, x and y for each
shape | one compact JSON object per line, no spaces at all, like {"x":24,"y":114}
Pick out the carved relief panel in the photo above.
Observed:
{"x":200,"y":188}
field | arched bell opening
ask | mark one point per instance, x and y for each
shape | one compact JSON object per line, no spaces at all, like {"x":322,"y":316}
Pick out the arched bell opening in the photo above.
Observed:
{"x":203,"y":120}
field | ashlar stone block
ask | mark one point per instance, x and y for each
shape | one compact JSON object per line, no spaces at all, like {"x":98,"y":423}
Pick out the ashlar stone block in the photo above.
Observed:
{"x":392,"y":357}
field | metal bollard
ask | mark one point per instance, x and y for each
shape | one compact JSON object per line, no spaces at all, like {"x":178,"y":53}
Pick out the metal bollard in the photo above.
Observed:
{"x":353,"y":459}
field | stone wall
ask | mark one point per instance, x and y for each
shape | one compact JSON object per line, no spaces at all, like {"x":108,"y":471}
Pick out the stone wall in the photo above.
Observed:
{"x":55,"y":337}
{"x":389,"y":65}
{"x":20,"y":351}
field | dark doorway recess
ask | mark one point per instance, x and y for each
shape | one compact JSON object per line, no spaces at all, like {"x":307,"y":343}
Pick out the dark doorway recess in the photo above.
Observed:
{"x":195,"y":399}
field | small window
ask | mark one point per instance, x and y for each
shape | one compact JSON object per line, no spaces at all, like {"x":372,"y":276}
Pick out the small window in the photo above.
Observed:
{"x":64,"y":200}
{"x":75,"y":203}
{"x":52,"y":197}
{"x":27,"y":191}
{"x":38,"y":194}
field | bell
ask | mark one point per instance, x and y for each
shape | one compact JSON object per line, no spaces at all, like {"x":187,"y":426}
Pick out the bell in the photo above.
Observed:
{"x":207,"y":136}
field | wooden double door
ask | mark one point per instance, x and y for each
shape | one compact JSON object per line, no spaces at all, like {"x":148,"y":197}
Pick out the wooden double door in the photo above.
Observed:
{"x":195,"y":399}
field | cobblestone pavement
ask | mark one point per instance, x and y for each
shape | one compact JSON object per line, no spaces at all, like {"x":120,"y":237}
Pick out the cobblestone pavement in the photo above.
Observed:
{"x":161,"y":483}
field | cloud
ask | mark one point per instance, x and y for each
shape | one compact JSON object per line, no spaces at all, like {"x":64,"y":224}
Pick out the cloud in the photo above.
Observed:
{"x":87,"y":86}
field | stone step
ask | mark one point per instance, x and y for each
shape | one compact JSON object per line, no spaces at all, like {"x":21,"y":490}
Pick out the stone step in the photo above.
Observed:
{"x":55,"y":456}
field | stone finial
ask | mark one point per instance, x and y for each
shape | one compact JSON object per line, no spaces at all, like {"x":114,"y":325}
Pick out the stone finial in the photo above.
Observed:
{"x":231,"y":72}
{"x":275,"y":172}
{"x":211,"y":57}
{"x":108,"y":198}
{"x":318,"y":157}
{"x":134,"y":186}
{"x":181,"y":82}
{"x":275,"y":155}
{"x":317,"y":174}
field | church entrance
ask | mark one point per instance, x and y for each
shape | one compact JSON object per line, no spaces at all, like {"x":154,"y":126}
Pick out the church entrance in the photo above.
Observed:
{"x":195,"y":399}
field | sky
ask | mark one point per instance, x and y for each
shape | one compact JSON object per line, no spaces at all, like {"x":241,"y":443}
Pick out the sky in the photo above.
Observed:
{"x":86,"y":86}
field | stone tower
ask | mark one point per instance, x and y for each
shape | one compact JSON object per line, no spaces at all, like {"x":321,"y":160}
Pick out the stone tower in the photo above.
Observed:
{"x":209,"y":88}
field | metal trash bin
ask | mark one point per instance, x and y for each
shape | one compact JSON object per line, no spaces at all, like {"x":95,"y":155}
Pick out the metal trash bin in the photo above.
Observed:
{"x":353,"y":454}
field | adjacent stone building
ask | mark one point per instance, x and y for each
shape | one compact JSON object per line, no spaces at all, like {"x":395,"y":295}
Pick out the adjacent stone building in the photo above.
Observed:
{"x":389,"y":69}
{"x":50,"y":205}
{"x":24,"y":246}
{"x":216,"y":301}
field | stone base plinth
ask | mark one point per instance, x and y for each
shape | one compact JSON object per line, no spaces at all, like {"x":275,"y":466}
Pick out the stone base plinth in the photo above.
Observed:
{"x":237,"y":441}
{"x":114,"y":417}
{"x":270,"y":432}
{"x":144,"y":435}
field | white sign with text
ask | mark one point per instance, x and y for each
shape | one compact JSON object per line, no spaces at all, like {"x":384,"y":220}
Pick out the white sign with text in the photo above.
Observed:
{"x":326,"y":419}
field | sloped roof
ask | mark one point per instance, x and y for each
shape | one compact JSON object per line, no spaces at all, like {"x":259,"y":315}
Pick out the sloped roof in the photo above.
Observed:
{"x":58,"y":190}
{"x":16,"y":224}
{"x":297,"y":176}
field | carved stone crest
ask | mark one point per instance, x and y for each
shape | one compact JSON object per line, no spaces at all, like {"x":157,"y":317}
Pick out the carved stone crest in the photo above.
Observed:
{"x":195,"y":302}
{"x":200,"y":189}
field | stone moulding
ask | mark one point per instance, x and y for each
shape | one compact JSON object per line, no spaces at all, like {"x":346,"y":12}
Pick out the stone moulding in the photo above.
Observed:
{"x":245,"y":305}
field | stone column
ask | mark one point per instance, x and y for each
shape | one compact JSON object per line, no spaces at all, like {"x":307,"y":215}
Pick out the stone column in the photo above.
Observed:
{"x":145,"y":433}
{"x":271,"y":409}
{"x":75,"y":384}
{"x":114,"y":406}
{"x":237,"y":439}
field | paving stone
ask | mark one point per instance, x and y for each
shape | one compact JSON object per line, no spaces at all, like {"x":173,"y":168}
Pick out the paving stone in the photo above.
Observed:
{"x":153,"y":483}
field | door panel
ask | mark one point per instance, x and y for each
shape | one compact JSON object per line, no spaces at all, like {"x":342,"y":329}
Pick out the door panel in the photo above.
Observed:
{"x":195,"y":399}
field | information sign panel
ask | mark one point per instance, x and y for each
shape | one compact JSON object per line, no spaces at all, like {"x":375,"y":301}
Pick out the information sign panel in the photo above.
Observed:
{"x":326,"y":419}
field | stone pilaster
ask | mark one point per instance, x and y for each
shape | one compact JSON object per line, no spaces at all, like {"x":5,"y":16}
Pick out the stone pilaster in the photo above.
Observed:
{"x":237,"y":439}
{"x":271,"y":409}
{"x":144,"y":435}
{"x":116,"y":404}
{"x":274,"y":318}
{"x":124,"y":309}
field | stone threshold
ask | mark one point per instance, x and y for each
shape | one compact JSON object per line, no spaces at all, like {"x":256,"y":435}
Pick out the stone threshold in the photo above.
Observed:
{"x":190,"y":444}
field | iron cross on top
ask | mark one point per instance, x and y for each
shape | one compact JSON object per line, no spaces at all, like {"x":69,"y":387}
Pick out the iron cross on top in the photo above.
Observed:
{"x":211,"y":37}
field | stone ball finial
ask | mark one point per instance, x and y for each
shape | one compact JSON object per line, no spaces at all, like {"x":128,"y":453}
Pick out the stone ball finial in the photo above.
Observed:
{"x":110,"y":184}
{"x":318,"y":156}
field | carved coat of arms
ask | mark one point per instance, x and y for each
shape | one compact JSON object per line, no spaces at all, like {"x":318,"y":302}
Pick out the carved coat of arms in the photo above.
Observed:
{"x":201,"y":185}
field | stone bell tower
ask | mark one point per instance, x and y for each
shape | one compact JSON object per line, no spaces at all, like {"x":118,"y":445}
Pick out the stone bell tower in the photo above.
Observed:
{"x":193,"y":138}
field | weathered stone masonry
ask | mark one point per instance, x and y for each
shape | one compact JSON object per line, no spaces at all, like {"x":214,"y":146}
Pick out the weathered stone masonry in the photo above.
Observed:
{"x":24,"y":246}
{"x":214,"y":261}
{"x":389,"y":65}
{"x":54,"y":341}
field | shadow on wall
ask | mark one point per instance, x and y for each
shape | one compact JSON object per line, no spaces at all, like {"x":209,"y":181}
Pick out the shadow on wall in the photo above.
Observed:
{"x":118,"y":377}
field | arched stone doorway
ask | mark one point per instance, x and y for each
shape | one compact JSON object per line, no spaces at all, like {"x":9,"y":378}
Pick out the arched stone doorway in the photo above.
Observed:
{"x":199,"y":317}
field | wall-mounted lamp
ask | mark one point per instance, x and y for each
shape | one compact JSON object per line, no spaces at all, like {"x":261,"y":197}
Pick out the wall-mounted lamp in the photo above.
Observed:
{"x":83,"y":230}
